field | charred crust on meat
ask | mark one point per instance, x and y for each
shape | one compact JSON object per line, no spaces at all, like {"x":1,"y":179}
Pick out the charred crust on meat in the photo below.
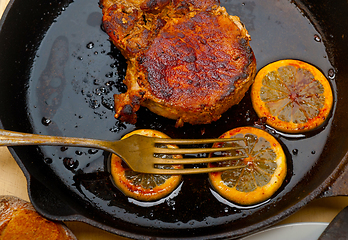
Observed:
{"x":187,"y":59}
{"x":135,"y":100}
{"x":141,"y":59}
{"x":243,"y":42}
{"x":182,"y":8}
{"x":160,"y":23}
{"x":154,"y":5}
{"x":128,"y":115}
{"x":101,"y":5}
{"x":127,"y":110}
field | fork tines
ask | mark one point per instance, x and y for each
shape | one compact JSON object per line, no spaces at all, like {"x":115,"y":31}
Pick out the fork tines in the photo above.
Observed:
{"x":182,"y":171}
{"x":234,"y":153}
{"x":195,"y":141}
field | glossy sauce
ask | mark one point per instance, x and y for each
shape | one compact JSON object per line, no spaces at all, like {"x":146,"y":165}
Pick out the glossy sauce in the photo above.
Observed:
{"x":76,"y":73}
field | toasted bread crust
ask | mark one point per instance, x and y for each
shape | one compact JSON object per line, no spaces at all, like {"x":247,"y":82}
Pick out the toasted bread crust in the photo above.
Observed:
{"x":19,"y":220}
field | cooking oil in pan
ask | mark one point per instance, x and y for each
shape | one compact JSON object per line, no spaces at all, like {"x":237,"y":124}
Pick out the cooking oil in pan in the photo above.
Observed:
{"x":75,"y":74}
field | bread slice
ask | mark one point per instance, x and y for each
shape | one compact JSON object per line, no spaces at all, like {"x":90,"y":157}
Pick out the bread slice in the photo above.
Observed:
{"x":19,"y":220}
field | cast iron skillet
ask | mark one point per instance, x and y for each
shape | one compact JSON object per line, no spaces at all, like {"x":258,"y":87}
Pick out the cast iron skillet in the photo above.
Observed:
{"x":58,"y":72}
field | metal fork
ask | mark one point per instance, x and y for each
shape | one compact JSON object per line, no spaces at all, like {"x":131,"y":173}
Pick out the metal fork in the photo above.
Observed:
{"x":141,"y":153}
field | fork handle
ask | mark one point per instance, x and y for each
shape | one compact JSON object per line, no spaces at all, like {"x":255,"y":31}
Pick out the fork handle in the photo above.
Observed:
{"x":11,"y":138}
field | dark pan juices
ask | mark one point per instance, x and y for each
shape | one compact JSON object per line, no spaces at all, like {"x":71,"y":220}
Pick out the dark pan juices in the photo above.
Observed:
{"x":75,"y":74}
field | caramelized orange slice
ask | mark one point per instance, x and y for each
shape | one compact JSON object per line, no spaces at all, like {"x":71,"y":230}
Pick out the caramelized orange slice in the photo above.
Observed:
{"x":142,"y":186}
{"x":293,"y":95}
{"x":264,"y":167}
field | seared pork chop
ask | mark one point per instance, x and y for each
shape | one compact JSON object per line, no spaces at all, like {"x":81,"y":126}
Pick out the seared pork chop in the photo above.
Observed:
{"x":187,"y":60}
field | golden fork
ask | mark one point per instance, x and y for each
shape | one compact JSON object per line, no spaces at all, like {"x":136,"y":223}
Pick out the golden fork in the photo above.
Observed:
{"x":141,"y":153}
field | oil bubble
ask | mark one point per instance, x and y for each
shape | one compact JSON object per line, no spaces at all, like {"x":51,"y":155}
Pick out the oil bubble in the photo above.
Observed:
{"x":108,"y":103}
{"x":96,"y":82}
{"x":70,"y":164}
{"x":295,"y":151}
{"x":48,"y":160}
{"x":94,"y":104}
{"x":317,"y":38}
{"x":109,"y":83}
{"x":79,"y":153}
{"x":109,"y":75}
{"x":331,"y":74}
{"x":46,"y":121}
{"x":101,"y":91}
{"x":63,"y":149}
{"x":90,"y":45}
{"x":92,"y":151}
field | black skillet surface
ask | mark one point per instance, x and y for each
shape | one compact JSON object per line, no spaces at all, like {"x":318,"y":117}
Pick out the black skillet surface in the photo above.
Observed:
{"x":58,"y":72}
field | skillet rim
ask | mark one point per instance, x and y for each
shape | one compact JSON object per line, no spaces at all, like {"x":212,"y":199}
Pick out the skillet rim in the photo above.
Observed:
{"x":318,"y":192}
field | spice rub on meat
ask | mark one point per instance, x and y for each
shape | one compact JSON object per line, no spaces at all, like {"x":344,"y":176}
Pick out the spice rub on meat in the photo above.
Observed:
{"x":188,"y":60}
